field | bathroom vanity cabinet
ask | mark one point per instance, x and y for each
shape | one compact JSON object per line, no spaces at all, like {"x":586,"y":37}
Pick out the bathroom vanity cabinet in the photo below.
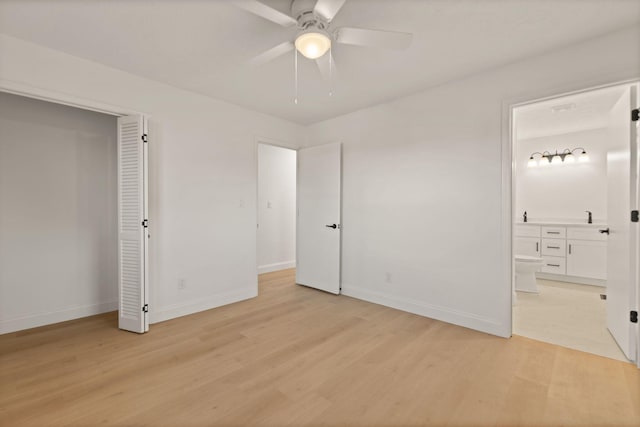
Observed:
{"x":571,"y":252}
{"x":586,"y":253}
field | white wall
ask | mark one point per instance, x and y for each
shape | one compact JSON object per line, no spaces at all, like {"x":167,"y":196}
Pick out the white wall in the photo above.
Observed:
{"x":565,"y":191}
{"x":57,"y":213}
{"x":203,"y":173}
{"x":423,"y":189}
{"x":276,"y":208}
{"x":422,"y":179}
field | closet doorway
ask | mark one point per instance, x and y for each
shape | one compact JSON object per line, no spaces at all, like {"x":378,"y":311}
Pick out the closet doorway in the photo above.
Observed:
{"x":73,"y":211}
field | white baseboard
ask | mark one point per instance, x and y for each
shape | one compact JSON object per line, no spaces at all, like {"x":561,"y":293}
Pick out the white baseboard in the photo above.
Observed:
{"x":268,"y":268}
{"x":456,"y":317}
{"x":201,"y":304}
{"x":41,"y":319}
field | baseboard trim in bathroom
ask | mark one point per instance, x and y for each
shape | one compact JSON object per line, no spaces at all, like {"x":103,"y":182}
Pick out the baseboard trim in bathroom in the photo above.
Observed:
{"x":603,"y":296}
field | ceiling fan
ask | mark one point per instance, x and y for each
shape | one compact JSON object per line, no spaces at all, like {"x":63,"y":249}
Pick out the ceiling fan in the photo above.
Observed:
{"x":313,"y":19}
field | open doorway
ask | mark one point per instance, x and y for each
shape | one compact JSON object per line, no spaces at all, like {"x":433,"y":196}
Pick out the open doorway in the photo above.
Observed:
{"x":276,"y":234}
{"x":574,"y":183}
{"x":299,"y":214}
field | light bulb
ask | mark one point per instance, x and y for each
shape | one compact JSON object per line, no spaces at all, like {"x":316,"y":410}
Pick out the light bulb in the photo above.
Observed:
{"x":556,"y":160}
{"x":584,"y":157}
{"x":544,"y":161}
{"x":311,"y":50}
{"x":569,"y":158}
{"x":532,"y":162}
{"x":313,"y":44}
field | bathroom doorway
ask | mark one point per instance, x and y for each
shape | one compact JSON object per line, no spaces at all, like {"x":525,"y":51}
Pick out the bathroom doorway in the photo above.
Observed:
{"x":574,"y":158}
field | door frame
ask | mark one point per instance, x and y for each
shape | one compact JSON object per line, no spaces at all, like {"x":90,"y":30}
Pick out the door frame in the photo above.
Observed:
{"x":508,"y":188}
{"x":295,"y":147}
{"x":62,"y":98}
{"x":257,"y":140}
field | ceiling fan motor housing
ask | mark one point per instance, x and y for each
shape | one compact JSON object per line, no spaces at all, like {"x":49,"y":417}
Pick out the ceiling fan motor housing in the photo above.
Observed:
{"x":302,"y":11}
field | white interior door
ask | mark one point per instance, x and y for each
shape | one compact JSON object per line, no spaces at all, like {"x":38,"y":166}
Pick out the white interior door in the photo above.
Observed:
{"x":621,"y":248}
{"x":318,"y":222}
{"x":132,"y":224}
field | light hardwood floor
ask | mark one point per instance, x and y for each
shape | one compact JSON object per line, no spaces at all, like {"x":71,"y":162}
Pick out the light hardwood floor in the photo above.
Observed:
{"x":297,"y":356}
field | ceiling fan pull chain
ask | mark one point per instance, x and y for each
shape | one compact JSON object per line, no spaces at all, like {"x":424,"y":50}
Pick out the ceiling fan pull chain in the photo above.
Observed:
{"x":295,"y":66}
{"x":330,"y":72}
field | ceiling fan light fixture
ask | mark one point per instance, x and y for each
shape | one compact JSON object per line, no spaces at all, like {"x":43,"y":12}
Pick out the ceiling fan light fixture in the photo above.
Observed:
{"x":313,"y":44}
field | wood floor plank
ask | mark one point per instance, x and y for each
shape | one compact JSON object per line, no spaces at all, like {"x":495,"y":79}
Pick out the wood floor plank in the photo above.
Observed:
{"x":300,"y":357}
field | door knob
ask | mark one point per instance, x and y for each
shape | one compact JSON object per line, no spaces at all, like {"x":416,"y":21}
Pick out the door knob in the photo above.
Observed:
{"x":334,"y":226}
{"x":605,"y":231}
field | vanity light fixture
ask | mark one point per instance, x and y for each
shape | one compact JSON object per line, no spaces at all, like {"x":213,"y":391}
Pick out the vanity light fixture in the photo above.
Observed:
{"x":566,"y":156}
{"x":570,"y":158}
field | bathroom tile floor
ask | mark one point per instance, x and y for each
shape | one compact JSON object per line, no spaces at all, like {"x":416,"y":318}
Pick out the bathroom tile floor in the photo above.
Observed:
{"x":566,"y":314}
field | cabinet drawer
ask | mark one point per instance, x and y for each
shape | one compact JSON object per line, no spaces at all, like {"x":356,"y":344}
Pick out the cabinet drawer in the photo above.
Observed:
{"x":554,"y":232}
{"x":554,"y":247}
{"x":527,"y":230}
{"x":554,"y":265}
{"x":586,"y":233}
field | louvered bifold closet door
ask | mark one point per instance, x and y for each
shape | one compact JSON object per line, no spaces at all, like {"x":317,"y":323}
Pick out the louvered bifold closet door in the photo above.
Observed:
{"x":132,"y":221}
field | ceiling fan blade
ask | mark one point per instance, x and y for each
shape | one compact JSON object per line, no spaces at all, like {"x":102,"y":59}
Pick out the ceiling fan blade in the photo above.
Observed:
{"x":271,"y":54}
{"x":266,"y":12}
{"x":327,"y":66}
{"x":373,"y":38}
{"x":328,"y":9}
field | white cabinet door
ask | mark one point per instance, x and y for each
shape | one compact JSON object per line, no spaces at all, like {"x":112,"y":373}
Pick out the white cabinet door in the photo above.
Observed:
{"x":529,"y":246}
{"x":587,"y":258}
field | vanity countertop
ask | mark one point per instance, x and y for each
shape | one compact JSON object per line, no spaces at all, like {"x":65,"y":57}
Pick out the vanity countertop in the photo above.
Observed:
{"x":563,"y":224}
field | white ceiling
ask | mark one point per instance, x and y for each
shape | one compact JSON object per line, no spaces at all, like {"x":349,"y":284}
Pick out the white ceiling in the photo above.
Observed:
{"x":589,"y":110}
{"x":203,"y":46}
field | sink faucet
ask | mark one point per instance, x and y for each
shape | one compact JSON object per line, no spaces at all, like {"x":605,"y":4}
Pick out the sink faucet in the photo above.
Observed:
{"x":590,"y":219}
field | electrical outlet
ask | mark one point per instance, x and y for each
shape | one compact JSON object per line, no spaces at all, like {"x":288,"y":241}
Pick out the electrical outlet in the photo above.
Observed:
{"x":182,"y":284}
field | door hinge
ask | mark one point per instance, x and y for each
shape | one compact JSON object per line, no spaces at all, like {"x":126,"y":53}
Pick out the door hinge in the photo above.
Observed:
{"x":145,"y":223}
{"x":144,"y":137}
{"x":634,"y":216}
{"x":635,"y":114}
{"x":145,"y":308}
{"x":634,"y":316}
